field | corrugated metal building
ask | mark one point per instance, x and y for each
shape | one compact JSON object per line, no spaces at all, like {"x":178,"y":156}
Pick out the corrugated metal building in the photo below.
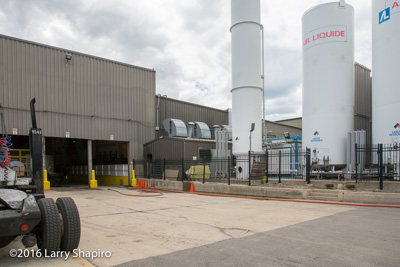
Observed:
{"x":362,"y":100}
{"x":78,"y":96}
{"x":87,"y":97}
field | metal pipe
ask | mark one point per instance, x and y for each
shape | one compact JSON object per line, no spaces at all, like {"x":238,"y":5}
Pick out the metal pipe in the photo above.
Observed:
{"x":263,"y":89}
{"x":165,"y":107}
{"x":33,"y":115}
{"x":158,"y":110}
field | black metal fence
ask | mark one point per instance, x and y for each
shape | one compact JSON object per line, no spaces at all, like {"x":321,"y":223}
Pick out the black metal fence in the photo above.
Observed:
{"x":377,"y":163}
{"x":255,"y":169}
{"x":288,"y":164}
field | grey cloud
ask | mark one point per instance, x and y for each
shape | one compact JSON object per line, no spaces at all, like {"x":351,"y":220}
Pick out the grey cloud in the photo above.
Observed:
{"x":147,"y":37}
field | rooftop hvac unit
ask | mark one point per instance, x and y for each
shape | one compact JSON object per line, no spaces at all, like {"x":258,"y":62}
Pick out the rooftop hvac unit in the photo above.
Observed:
{"x":175,"y":127}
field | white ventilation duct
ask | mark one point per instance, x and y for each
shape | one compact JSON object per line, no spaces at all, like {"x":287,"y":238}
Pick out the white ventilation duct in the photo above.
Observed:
{"x":201,"y":130}
{"x":175,"y":127}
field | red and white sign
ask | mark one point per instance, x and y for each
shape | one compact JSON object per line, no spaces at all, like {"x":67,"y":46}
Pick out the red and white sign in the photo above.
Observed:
{"x":324,"y":35}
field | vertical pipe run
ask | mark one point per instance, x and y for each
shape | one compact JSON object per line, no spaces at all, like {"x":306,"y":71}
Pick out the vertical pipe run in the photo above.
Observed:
{"x":356,"y":162}
{"x":229,"y":170}
{"x":264,"y":136}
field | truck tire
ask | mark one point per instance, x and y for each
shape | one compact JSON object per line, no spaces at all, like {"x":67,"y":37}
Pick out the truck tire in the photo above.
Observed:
{"x":49,"y":235}
{"x":70,"y":224}
{"x":5,"y":240}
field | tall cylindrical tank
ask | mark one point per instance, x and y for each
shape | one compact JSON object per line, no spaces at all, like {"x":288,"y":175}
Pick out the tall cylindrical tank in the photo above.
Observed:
{"x":246,"y":76}
{"x":328,"y":81}
{"x":385,"y":71}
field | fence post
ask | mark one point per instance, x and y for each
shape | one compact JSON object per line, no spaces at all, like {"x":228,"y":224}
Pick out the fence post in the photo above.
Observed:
{"x":229,"y":170}
{"x":266,"y":166}
{"x":279,"y":167}
{"x":164,"y":163}
{"x":183,"y":168}
{"x":308,"y":165}
{"x":249,"y":168}
{"x":204,"y":172}
{"x":356,"y":163}
{"x":380,"y":155}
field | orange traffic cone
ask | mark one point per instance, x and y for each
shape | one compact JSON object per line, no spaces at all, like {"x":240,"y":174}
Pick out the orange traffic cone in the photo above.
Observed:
{"x":145,"y":184}
{"x":191,"y":188}
{"x":140,"y":183}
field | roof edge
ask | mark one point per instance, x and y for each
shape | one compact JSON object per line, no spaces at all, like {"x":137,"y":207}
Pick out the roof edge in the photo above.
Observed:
{"x":74,"y":52}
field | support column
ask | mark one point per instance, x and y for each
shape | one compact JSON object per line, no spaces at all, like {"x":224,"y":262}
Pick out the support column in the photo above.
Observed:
{"x":130,"y":164}
{"x":90,"y":158}
{"x":44,"y":152}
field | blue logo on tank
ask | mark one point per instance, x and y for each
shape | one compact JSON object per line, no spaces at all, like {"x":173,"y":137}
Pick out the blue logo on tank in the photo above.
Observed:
{"x":384,"y":15}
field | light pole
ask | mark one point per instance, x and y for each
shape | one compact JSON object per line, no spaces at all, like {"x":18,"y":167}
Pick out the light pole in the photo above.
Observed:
{"x":251,"y":130}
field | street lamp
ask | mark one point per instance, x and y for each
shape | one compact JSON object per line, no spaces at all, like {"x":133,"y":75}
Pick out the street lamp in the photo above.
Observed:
{"x":251,"y":129}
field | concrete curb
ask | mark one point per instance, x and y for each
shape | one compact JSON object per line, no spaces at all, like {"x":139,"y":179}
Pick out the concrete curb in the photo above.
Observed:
{"x":350,"y":196}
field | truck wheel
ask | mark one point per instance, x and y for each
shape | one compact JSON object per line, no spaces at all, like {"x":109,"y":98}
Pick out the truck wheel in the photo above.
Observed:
{"x":5,"y":240}
{"x":49,"y":235}
{"x":70,"y":224}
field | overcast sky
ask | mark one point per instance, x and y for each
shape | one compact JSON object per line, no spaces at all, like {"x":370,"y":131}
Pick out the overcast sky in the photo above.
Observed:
{"x":186,"y":41}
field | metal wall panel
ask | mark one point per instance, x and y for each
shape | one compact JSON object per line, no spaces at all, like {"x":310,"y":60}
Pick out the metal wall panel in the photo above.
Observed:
{"x":167,"y":148}
{"x":278,"y":129}
{"x":89,"y":97}
{"x":295,"y":122}
{"x":362,"y":90}
{"x":362,"y":100}
{"x":177,"y":148}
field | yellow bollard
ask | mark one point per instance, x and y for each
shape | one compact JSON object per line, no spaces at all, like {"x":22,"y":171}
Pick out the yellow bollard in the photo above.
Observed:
{"x":134,"y":182}
{"x":46,"y":183}
{"x":93,"y":182}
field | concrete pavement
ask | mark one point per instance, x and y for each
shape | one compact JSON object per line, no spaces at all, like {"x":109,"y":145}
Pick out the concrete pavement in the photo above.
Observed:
{"x":214,"y":231}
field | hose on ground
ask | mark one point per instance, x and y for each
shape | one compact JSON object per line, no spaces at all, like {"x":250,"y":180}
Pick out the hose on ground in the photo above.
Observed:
{"x":156,"y":193}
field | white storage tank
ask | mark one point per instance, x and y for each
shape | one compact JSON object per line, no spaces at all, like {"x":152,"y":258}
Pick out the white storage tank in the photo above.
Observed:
{"x":246,"y":76}
{"x":328,"y":81}
{"x":385,"y":72}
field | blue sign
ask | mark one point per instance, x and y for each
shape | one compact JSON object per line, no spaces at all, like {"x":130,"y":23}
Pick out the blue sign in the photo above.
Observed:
{"x":384,"y":15}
